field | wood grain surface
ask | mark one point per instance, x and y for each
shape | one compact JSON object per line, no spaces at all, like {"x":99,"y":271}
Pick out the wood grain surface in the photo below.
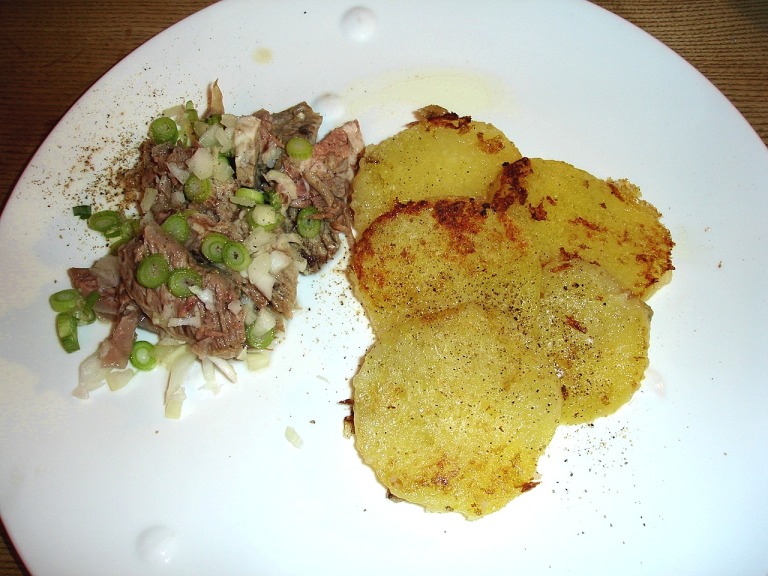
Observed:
{"x":53,"y":51}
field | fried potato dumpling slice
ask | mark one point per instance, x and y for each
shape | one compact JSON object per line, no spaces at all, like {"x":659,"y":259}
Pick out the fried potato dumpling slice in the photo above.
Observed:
{"x":596,"y":334}
{"x":423,"y":257}
{"x":441,"y":154}
{"x":570,"y":213}
{"x":453,"y":411}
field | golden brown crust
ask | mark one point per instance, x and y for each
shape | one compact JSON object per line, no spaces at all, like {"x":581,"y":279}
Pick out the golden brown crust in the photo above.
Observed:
{"x":571,"y":214}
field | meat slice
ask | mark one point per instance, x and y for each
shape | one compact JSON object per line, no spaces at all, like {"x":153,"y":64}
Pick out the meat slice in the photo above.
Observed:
{"x":115,"y":351}
{"x":213,"y":323}
{"x":298,"y":120}
{"x":104,"y":278}
{"x":247,"y":148}
{"x":330,"y":172}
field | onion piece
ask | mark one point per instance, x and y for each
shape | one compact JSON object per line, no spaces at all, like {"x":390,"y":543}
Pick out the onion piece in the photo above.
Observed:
{"x":257,"y":359}
{"x":222,"y":171}
{"x":225,"y":367}
{"x":178,"y":172}
{"x":150,"y":194}
{"x":174,"y":393}
{"x":284,"y":183}
{"x":92,"y":375}
{"x":265,"y":321}
{"x":293,"y":437}
{"x":119,"y":378}
{"x":205,"y":296}
{"x":279,"y":262}
{"x":201,"y":163}
{"x":259,"y":276}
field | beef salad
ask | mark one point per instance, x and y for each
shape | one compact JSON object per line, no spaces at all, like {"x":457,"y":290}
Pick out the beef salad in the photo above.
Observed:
{"x":223,"y":214}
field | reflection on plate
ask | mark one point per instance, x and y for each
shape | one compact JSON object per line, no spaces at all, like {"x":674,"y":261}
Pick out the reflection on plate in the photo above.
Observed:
{"x":672,"y":483}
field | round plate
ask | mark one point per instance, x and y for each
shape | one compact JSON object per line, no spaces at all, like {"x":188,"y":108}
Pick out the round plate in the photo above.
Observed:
{"x":672,"y":483}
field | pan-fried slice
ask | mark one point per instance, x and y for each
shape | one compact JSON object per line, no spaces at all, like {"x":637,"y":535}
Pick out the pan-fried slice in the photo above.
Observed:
{"x":441,"y":154}
{"x":597,"y":336}
{"x":453,"y":411}
{"x":570,"y":213}
{"x":426,"y":256}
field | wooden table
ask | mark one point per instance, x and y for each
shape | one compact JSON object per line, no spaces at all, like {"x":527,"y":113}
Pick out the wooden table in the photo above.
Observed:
{"x":53,"y":51}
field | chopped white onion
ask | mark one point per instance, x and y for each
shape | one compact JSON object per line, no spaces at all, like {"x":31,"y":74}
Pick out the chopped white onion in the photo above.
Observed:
{"x":119,"y":378}
{"x":222,"y":171}
{"x":293,"y":437}
{"x":280,"y":261}
{"x":265,"y":321}
{"x":224,"y":138}
{"x":257,"y":359}
{"x":92,"y":375}
{"x":225,"y":367}
{"x":174,"y":111}
{"x":205,"y":295}
{"x":201,"y":163}
{"x":228,"y":121}
{"x":174,"y":393}
{"x":259,"y":276}
{"x":209,"y":371}
{"x":258,"y":240}
{"x":178,"y":172}
{"x":150,"y":194}
{"x":207,"y":135}
{"x":193,"y":321}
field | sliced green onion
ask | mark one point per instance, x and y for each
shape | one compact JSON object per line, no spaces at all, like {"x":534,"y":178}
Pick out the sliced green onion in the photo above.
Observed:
{"x":180,"y":280}
{"x":191,"y":112}
{"x":104,"y":220}
{"x":152,"y":271}
{"x":235,"y":256}
{"x":84,"y":314}
{"x":273,"y":199}
{"x":213,"y":247}
{"x":92,"y":298}
{"x":116,"y":231}
{"x":143,"y":355}
{"x":299,"y":148}
{"x":197,"y":190}
{"x":163,"y":130}
{"x":306,"y":225}
{"x":66,"y":331}
{"x":83,"y":212}
{"x":256,"y":196}
{"x":256,"y":340}
{"x":65,"y":300}
{"x":213,"y":119}
{"x":177,"y":226}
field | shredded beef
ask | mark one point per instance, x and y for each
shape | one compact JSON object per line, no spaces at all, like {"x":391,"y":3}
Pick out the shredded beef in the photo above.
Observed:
{"x":222,"y":327}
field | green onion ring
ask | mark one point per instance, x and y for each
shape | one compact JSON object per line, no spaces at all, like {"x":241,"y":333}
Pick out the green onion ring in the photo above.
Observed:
{"x":143,"y":355}
{"x":258,"y":341}
{"x":152,"y":271}
{"x":66,"y":331}
{"x":213,"y":247}
{"x":177,"y":226}
{"x":306,"y":225}
{"x":235,"y":256}
{"x":180,"y":280}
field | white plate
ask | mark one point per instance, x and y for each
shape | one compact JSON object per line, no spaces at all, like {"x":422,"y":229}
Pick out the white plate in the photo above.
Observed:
{"x":675,"y":483}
